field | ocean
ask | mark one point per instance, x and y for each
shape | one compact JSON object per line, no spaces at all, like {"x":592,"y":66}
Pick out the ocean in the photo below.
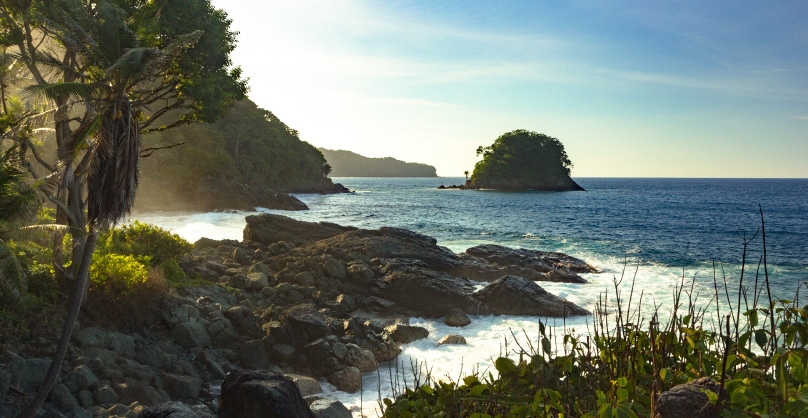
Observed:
{"x":654,"y":234}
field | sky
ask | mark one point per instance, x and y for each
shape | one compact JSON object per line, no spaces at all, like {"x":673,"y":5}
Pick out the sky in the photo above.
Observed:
{"x":631,"y":88}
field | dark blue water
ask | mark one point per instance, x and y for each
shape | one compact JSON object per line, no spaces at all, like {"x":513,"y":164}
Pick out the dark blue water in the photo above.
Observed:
{"x":680,"y":224}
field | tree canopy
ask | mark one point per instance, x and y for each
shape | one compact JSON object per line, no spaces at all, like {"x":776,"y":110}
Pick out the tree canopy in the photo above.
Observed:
{"x":523,"y":160}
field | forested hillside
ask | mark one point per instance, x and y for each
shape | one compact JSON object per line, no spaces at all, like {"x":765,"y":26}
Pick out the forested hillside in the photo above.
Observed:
{"x":350,"y":164}
{"x":238,"y":162}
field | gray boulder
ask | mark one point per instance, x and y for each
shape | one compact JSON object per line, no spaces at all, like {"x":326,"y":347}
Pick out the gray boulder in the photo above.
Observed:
{"x":405,"y":334}
{"x":689,"y":400}
{"x":512,"y":295}
{"x":175,"y":410}
{"x":261,"y":394}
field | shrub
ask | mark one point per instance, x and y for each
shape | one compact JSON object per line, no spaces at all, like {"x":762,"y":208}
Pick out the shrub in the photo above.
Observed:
{"x":143,"y":241}
{"x":123,"y":290}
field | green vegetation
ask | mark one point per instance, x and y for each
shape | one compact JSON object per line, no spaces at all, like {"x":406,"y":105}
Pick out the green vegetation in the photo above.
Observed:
{"x":755,"y":349}
{"x":233,"y":163}
{"x":350,"y":164}
{"x":523,"y":160}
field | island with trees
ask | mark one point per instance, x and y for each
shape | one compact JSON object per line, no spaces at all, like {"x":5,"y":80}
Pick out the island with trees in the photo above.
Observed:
{"x":524,"y":161}
{"x":350,"y":164}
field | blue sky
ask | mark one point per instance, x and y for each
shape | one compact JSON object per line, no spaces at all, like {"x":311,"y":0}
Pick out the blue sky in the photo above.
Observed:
{"x":632,"y":88}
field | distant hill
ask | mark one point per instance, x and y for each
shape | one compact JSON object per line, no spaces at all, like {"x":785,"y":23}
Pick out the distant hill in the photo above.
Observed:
{"x":350,"y":164}
{"x":241,"y":161}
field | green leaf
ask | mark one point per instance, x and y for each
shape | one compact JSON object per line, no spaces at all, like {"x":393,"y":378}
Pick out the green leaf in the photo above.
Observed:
{"x":505,"y":365}
{"x":761,"y":338}
{"x":622,"y":382}
{"x":666,"y":375}
{"x":622,"y":395}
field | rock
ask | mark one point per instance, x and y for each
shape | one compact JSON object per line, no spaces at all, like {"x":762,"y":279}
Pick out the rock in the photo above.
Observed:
{"x":132,"y":390}
{"x":359,"y":273}
{"x":456,"y":318}
{"x":361,"y":358}
{"x":323,"y":407}
{"x":283,"y":352}
{"x":268,"y":229}
{"x":191,"y":335}
{"x":256,"y":281}
{"x":253,"y":354}
{"x":320,"y":357}
{"x":512,"y":295}
{"x":304,"y":322}
{"x":452,"y":339}
{"x":206,"y":360}
{"x":80,"y":378}
{"x":405,"y":334}
{"x":689,"y":400}
{"x":335,"y":268}
{"x":348,"y":379}
{"x":61,"y":397}
{"x":260,"y":268}
{"x":261,"y":394}
{"x":181,"y":387}
{"x":422,"y":291}
{"x":27,"y":374}
{"x":105,"y":395}
{"x":307,"y":385}
{"x":492,"y":261}
{"x":240,"y":256}
{"x":175,"y":410}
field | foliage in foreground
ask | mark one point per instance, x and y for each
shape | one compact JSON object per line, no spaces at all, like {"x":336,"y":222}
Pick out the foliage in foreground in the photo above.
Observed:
{"x":758,"y":352}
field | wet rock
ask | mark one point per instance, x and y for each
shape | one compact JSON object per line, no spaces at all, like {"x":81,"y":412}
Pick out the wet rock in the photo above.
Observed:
{"x":323,"y":407}
{"x":348,"y":379}
{"x":132,"y":390}
{"x":261,"y":394}
{"x":452,"y":339}
{"x":405,"y":334}
{"x":512,"y":295}
{"x":492,"y":261}
{"x":456,"y":318}
{"x":304,"y":322}
{"x":319,"y":357}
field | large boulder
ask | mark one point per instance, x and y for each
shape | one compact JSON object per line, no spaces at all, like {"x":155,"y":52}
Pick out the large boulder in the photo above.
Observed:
{"x":268,"y":229}
{"x":421,"y":291}
{"x":689,"y":400}
{"x":261,"y":394}
{"x":512,"y":295}
{"x":488,"y":262}
{"x":405,"y":334}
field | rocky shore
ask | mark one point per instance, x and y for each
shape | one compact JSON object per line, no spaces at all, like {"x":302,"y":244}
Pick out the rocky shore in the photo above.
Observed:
{"x":304,"y":301}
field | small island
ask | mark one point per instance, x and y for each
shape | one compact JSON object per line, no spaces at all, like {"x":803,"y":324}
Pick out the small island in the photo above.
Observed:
{"x":523,"y":160}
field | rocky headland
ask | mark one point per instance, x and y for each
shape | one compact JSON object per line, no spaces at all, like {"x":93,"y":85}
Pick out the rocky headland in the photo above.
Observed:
{"x":303,"y":302}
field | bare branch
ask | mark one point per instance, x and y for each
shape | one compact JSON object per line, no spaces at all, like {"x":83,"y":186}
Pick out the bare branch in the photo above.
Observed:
{"x":149,"y":151}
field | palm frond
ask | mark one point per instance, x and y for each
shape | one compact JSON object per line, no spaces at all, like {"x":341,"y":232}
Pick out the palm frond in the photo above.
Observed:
{"x":131,"y":64}
{"x":74,"y":91}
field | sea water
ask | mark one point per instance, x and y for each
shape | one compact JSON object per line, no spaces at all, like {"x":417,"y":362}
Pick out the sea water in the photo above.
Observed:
{"x":653,"y":234}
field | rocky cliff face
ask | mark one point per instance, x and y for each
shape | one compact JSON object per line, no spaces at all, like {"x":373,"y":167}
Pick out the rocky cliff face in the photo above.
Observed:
{"x":308,"y":300}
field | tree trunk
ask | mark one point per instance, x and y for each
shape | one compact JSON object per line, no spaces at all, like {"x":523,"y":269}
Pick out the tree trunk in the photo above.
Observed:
{"x":76,"y":299}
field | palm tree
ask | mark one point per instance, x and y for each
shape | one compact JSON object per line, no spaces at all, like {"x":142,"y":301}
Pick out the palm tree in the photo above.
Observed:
{"x":106,"y":78}
{"x":467,"y":175}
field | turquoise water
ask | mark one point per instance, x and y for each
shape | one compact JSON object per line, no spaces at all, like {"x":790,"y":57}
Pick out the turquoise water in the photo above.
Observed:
{"x":654,"y":232}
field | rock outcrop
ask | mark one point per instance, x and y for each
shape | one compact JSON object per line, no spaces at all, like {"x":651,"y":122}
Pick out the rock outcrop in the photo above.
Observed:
{"x":315,"y":300}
